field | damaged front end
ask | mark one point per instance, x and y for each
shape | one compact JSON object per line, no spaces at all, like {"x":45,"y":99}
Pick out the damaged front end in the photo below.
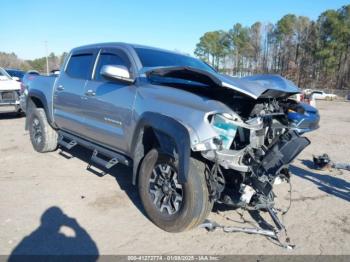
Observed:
{"x":257,"y":135}
{"x":257,"y":151}
{"x":253,"y":139}
{"x":251,"y":156}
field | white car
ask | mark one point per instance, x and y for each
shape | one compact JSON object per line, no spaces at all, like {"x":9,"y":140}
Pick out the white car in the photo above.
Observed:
{"x":9,"y":92}
{"x":321,"y":95}
{"x":307,"y":91}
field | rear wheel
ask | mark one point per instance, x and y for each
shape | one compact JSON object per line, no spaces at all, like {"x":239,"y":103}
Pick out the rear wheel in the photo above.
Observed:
{"x":171,"y":205}
{"x":43,"y":137}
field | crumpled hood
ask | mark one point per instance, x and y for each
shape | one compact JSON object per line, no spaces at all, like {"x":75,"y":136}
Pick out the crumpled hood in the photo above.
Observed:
{"x":8,"y":85}
{"x":258,"y":86}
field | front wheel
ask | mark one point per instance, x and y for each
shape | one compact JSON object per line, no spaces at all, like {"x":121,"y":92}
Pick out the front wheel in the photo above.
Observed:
{"x":171,"y":205}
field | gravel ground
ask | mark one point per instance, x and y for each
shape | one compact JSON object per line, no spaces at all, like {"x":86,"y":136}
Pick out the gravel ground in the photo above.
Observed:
{"x":51,"y":203}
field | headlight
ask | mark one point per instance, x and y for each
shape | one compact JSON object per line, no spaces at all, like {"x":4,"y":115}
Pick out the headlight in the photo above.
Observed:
{"x":225,"y":128}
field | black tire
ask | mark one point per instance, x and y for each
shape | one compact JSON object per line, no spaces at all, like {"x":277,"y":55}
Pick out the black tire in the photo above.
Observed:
{"x":195,"y":205}
{"x":43,"y":137}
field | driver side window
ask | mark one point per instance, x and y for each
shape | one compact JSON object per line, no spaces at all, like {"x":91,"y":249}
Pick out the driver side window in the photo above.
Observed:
{"x":110,"y":58}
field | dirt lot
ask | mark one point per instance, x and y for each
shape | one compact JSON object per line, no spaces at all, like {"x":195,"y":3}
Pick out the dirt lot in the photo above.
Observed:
{"x":103,"y":213}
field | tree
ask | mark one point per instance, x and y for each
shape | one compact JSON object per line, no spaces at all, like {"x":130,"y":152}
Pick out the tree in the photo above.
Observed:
{"x":335,"y":45}
{"x":255,"y":37}
{"x":12,"y":61}
{"x":311,"y":53}
{"x":63,"y":57}
{"x":239,"y":46}
{"x":212,"y":47}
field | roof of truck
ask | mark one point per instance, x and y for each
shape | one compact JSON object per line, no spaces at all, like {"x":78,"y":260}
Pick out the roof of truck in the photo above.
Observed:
{"x":116,"y":44}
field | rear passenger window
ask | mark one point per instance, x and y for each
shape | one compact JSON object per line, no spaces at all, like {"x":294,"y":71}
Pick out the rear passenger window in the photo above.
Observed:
{"x":109,"y":58}
{"x":80,"y":66}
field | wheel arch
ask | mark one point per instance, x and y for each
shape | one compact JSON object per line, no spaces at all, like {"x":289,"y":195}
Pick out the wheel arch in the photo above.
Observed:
{"x":165,"y":133}
{"x":38,"y":99}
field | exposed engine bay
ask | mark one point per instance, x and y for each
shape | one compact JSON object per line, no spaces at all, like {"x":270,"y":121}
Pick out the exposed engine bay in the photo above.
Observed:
{"x":257,"y":148}
{"x":255,"y":143}
{"x":254,"y":151}
{"x":256,"y":140}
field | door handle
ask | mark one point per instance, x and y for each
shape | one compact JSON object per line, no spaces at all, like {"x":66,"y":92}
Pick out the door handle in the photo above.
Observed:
{"x":60,"y":88}
{"x":90,"y":93}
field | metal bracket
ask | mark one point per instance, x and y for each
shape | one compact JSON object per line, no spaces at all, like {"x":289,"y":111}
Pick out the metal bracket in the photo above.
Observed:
{"x":211,"y":226}
{"x":107,"y":164}
{"x":279,"y":234}
{"x":112,"y":163}
{"x":68,"y":145}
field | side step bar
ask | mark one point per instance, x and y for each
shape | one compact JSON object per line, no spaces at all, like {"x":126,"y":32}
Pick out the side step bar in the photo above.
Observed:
{"x":107,"y":164}
{"x":68,"y":145}
{"x":101,"y":155}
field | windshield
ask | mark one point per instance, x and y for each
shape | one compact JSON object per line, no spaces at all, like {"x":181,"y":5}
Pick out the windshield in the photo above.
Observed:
{"x":155,"y":58}
{"x":4,"y":75}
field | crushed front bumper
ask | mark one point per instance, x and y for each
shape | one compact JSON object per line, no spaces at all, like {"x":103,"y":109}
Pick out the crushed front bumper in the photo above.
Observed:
{"x":279,"y":155}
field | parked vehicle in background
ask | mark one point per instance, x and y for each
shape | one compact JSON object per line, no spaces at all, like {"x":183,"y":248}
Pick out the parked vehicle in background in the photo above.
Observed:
{"x":9,"y":92}
{"x":297,"y":97}
{"x":29,"y":76}
{"x":16,"y":74}
{"x":307,"y":91}
{"x":307,"y":98}
{"x":55,"y":72}
{"x":321,"y":95}
{"x":193,"y":136}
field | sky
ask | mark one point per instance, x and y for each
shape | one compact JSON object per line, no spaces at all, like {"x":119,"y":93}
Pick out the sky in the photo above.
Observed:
{"x":174,"y":25}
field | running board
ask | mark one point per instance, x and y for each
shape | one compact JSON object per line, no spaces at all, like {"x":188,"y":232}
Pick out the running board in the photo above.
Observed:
{"x":102,"y":162}
{"x":101,"y":155}
{"x":69,"y":145}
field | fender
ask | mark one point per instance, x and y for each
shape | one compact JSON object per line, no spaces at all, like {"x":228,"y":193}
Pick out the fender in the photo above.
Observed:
{"x":166,"y":128}
{"x":42,"y":98}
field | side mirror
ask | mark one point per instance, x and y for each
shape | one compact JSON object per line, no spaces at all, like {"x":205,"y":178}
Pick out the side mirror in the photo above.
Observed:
{"x":117,"y":72}
{"x":15,"y":78}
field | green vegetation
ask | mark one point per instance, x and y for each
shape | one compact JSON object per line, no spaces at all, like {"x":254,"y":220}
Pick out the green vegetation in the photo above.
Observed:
{"x":12,"y":61}
{"x":311,"y":53}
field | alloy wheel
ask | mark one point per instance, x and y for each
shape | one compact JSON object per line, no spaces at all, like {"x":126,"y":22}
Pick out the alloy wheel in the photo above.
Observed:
{"x":37,"y":131}
{"x":165,"y":189}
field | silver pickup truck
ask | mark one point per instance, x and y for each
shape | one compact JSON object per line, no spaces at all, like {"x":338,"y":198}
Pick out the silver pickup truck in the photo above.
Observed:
{"x":192,"y":135}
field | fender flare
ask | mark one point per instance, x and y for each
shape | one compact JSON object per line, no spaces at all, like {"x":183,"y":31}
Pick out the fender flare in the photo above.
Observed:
{"x":165,"y":128}
{"x":42,"y":98}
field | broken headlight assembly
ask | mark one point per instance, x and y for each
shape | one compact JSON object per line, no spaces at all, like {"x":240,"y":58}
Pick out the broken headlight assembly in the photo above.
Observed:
{"x":225,"y":128}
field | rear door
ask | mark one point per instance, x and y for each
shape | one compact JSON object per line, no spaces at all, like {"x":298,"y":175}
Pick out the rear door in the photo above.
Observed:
{"x":109,"y":103}
{"x":69,"y":93}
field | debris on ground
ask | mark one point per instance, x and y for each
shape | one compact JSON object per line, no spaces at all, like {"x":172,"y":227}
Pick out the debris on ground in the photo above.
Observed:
{"x":277,"y":234}
{"x":323,"y":162}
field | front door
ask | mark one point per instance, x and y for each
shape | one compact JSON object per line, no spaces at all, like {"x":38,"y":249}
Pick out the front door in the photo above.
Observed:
{"x":109,"y":103}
